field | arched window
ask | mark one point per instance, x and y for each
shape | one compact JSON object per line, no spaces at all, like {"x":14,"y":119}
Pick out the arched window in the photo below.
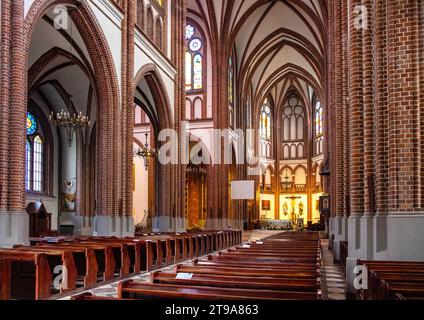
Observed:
{"x":158,"y":39}
{"x":149,"y":23}
{"x":319,"y":127}
{"x":140,"y":13}
{"x":293,"y":128}
{"x":231,"y":97}
{"x":265,"y":124}
{"x":35,"y":155}
{"x":265,"y":128}
{"x":194,"y":59}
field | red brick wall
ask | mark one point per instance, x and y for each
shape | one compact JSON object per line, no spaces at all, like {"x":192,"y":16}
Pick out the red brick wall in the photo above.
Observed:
{"x":381,"y":134}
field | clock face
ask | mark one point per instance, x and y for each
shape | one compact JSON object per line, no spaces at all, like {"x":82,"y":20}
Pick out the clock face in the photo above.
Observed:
{"x":195,"y":45}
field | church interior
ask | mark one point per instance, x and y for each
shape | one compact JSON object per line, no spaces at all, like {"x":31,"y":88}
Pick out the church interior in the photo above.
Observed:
{"x":248,"y":150}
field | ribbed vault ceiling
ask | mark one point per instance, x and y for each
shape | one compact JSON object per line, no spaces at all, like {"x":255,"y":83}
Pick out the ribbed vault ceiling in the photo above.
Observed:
{"x":278,"y":43}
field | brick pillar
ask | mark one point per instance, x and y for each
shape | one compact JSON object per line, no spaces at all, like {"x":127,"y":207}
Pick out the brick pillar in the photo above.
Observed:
{"x":14,"y":222}
{"x":338,"y":116}
{"x":404,"y":107}
{"x":17,"y":112}
{"x":381,"y":113}
{"x":368,"y":109}
{"x":4,"y":102}
{"x":356,"y":113}
{"x":128,"y":120}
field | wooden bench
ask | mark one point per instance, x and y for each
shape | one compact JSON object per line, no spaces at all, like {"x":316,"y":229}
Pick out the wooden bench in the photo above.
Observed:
{"x":148,"y":291}
{"x":5,"y":278}
{"x":103,"y":253}
{"x":251,"y":272}
{"x":387,"y":278}
{"x":212,"y":280}
{"x":30,"y":277}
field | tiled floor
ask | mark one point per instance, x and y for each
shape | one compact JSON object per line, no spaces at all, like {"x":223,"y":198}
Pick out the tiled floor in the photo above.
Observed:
{"x":333,"y":281}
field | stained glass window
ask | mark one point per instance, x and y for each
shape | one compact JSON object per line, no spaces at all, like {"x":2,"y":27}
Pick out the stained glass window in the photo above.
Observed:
{"x":197,"y":69}
{"x":31,"y":124}
{"x":230,"y":80}
{"x":319,"y":128}
{"x":189,"y":31}
{"x":38,"y":164}
{"x":265,"y":125}
{"x":194,"y":60}
{"x":318,"y":119}
{"x":293,"y":128}
{"x":34,"y":155}
{"x":28,"y":165}
{"x":189,"y":70}
{"x":195,"y":45}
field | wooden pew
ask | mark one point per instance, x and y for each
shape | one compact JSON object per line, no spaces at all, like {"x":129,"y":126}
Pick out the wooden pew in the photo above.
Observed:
{"x":31,"y":276}
{"x":251,"y":272}
{"x":84,"y":259}
{"x":227,"y":261}
{"x":103,"y":253}
{"x":148,"y":291}
{"x":383,"y":273}
{"x":5,"y":279}
{"x":211,"y":280}
{"x":64,"y":258}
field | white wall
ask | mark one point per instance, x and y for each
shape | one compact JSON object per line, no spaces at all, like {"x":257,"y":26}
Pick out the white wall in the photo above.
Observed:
{"x":141,"y":193}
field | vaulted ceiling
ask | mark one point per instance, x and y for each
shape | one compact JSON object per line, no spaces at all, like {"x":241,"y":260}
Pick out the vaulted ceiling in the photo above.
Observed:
{"x":278,"y":43}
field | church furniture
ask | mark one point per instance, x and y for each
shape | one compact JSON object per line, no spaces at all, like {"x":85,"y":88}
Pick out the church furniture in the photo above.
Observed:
{"x":386,"y":278}
{"x":31,"y":276}
{"x":103,"y":253}
{"x":85,"y":261}
{"x":5,"y":278}
{"x":212,"y":280}
{"x":92,"y":260}
{"x":120,"y":254}
{"x":252,"y":272}
{"x":39,"y":220}
{"x":57,"y":257}
{"x":148,"y":291}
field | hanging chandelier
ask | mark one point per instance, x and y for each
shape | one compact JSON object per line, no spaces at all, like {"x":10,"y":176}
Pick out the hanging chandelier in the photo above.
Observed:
{"x":67,"y":121}
{"x":70,"y":122}
{"x":146,"y":152}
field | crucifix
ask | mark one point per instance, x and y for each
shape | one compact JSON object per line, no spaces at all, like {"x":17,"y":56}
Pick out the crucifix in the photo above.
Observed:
{"x":293,"y":199}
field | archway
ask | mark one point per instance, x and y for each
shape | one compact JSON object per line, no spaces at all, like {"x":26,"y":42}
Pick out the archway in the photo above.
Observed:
{"x":70,"y":68}
{"x":150,"y":94}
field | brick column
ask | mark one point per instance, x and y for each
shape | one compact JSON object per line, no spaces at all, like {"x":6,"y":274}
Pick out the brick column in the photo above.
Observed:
{"x":128,"y":119}
{"x":4,"y":102}
{"x":356,"y":113}
{"x":368,"y":109}
{"x":14,"y":222}
{"x":338,"y":116}
{"x":381,"y":113}
{"x":404,"y":107}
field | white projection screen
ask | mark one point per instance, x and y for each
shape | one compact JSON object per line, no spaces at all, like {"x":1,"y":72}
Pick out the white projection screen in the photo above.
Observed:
{"x":243,"y":190}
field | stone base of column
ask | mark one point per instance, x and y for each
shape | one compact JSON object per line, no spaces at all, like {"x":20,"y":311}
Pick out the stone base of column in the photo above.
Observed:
{"x":14,"y":229}
{"x":107,"y":226}
{"x":339,"y":228}
{"x":83,"y":225}
{"x":128,"y":227}
{"x":166,"y":224}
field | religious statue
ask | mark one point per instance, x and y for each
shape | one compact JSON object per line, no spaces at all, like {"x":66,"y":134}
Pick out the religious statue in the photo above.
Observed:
{"x":285,"y":208}
{"x":301,"y":206}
